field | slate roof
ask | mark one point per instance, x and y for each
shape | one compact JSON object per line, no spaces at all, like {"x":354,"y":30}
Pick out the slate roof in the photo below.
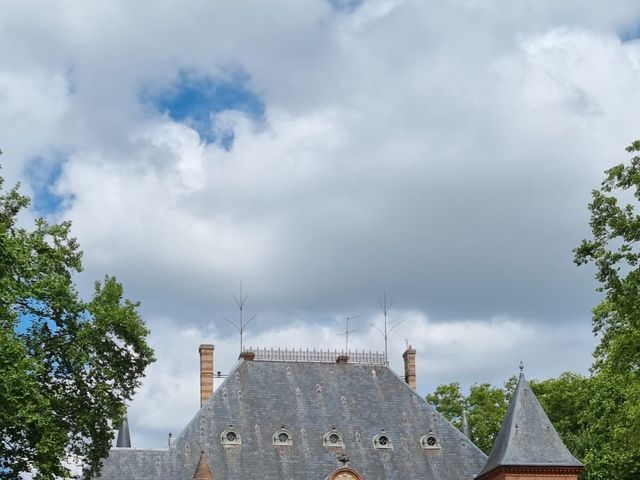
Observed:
{"x":124,"y":439}
{"x":527,"y":436}
{"x":309,"y":399}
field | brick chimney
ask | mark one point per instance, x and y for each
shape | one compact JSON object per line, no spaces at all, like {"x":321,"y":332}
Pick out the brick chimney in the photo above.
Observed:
{"x":206,"y":372}
{"x":409,"y":357}
{"x":248,"y":356}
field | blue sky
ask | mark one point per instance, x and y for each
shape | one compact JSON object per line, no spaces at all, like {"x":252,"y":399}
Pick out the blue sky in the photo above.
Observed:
{"x":43,"y":173}
{"x":194,"y":99}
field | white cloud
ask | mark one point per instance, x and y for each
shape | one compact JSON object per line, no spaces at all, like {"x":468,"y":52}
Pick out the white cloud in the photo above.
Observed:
{"x":445,"y":151}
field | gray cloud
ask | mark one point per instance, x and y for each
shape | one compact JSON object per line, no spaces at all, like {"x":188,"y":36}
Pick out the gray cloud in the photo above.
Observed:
{"x":442,"y":151}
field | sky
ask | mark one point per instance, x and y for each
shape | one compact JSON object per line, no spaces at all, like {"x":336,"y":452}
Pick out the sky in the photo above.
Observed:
{"x":322,"y":153}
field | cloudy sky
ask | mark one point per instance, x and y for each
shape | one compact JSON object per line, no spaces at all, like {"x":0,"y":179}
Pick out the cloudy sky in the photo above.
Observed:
{"x":322,"y":151}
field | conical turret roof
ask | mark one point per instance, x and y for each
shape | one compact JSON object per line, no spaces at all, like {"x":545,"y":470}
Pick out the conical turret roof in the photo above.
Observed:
{"x":527,"y":437}
{"x":124,"y":439}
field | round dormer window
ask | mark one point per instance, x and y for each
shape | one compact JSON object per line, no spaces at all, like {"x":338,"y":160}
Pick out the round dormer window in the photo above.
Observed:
{"x":282,"y":437}
{"x":230,"y":437}
{"x":382,"y":440}
{"x":430,"y":442}
{"x":333,"y":439}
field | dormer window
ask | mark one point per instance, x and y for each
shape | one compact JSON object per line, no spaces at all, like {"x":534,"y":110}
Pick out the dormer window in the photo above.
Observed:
{"x":430,"y":442}
{"x":282,"y":437}
{"x":230,"y":436}
{"x":382,"y":441}
{"x":332,"y":439}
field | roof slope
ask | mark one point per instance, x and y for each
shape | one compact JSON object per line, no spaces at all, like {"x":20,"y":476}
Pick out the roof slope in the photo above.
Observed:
{"x":310,"y":399}
{"x":527,"y":436}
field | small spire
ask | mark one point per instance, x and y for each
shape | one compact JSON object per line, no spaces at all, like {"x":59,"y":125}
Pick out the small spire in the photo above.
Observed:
{"x":513,"y":447}
{"x":124,"y":439}
{"x":203,"y":472}
{"x":465,"y":425}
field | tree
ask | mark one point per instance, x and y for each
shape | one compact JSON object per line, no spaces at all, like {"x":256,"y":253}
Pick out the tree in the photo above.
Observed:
{"x":614,"y":249}
{"x":485,"y":405}
{"x":449,"y":401}
{"x":566,"y":400}
{"x":67,"y":365}
{"x":611,"y":444}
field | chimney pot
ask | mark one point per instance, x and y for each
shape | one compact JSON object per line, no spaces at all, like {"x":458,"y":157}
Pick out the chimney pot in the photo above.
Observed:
{"x":248,"y":356}
{"x":342,"y":359}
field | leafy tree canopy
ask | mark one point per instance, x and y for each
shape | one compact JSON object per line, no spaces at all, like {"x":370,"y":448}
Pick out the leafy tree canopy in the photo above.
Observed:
{"x":615,"y":252}
{"x":614,"y":389}
{"x":67,"y":365}
{"x":485,"y":405}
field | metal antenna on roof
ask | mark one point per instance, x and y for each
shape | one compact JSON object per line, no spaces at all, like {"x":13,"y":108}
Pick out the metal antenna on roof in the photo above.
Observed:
{"x":386,"y":307}
{"x":347,"y":332}
{"x":241,"y":326}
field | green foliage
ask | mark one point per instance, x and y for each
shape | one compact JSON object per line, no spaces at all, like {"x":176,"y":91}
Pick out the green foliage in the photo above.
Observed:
{"x":566,"y":401}
{"x":615,"y":252}
{"x":612,"y":418}
{"x":67,"y":365}
{"x":613,"y":412}
{"x":449,"y":401}
{"x":485,"y":406}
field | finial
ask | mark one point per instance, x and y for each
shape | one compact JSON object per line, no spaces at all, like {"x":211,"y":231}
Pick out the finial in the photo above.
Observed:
{"x":521,"y":368}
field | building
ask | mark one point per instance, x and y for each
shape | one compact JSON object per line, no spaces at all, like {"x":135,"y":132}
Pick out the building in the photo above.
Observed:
{"x":289,"y":415}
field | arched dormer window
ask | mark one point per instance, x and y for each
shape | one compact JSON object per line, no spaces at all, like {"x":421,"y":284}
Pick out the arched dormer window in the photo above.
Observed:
{"x":282,"y":437}
{"x":382,"y":441}
{"x":333,"y":439}
{"x":230,"y":436}
{"x":430,"y":442}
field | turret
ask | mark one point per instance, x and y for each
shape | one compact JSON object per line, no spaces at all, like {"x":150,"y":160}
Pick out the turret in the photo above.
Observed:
{"x":527,"y":446}
{"x":124,"y":439}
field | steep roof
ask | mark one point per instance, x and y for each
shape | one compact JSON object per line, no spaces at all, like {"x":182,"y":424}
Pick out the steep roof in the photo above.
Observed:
{"x":124,"y":439}
{"x":309,"y":399}
{"x":527,"y":436}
